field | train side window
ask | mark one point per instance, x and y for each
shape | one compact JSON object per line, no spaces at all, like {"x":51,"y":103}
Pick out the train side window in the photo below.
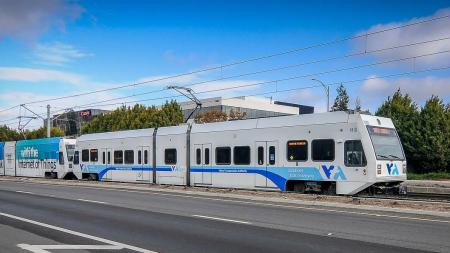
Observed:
{"x":103,"y":157}
{"x":109,"y":157}
{"x":170,"y":156}
{"x":76,"y":157}
{"x":145,"y":156}
{"x":297,"y":151}
{"x":94,"y":155}
{"x":354,"y":154}
{"x":223,"y":155}
{"x":260,"y":155}
{"x":272,"y":155}
{"x":206,"y":156}
{"x":198,"y":156}
{"x":241,"y":155}
{"x":139,"y":157}
{"x":85,"y":155}
{"x":61,"y":158}
{"x":129,"y":156}
{"x":323,"y":150}
{"x":118,"y":157}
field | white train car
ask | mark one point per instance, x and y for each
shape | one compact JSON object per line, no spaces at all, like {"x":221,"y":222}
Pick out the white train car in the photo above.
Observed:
{"x":116,"y":156}
{"x":329,"y":152}
{"x":47,"y":157}
{"x":10,"y":158}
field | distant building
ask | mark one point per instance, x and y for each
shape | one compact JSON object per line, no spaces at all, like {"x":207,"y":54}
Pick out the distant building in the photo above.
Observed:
{"x":253,"y":107}
{"x":72,"y":122}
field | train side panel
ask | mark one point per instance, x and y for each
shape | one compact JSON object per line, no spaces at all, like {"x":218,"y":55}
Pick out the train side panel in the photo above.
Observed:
{"x":2,"y":155}
{"x":10,"y":158}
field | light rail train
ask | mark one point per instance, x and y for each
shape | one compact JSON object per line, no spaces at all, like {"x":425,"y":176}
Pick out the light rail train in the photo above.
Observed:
{"x":333,"y":153}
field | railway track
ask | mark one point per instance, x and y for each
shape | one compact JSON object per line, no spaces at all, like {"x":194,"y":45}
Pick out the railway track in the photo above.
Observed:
{"x":416,"y":197}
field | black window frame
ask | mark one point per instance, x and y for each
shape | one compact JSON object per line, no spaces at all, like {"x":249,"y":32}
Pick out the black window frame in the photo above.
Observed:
{"x":246,"y":161}
{"x":61,"y":158}
{"x":118,"y":160}
{"x":93,"y":158}
{"x":198,"y":156}
{"x":261,"y":155}
{"x":84,"y":157}
{"x":291,"y":146}
{"x":218,"y":149}
{"x":76,"y":157}
{"x":103,"y":157}
{"x":167,"y":158}
{"x":139,"y":154}
{"x":274,"y":150}
{"x":313,"y":153}
{"x":364,"y":159}
{"x":108,"y":161}
{"x":128,"y":156}
{"x":146,"y":156}
{"x":207,"y":156}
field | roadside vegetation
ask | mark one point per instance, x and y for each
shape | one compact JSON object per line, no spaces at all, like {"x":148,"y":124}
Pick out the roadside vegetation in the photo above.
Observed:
{"x":429,"y":176}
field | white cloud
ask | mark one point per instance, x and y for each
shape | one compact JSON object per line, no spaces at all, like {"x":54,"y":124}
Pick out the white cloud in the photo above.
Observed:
{"x":172,"y":57}
{"x":27,"y":20}
{"x":410,"y":34}
{"x":420,"y":89}
{"x":39,"y":75}
{"x":57,"y":53}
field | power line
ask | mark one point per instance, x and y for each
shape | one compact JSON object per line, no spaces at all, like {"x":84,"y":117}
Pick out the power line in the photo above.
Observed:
{"x":274,"y":69}
{"x":327,"y":43}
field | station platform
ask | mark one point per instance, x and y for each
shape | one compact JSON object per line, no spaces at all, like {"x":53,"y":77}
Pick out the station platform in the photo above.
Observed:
{"x":427,"y":187}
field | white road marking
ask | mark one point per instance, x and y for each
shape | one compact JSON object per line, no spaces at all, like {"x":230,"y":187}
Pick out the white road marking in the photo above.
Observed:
{"x":184,"y":195}
{"x":92,"y":201}
{"x":221,"y":219}
{"x":25,"y":192}
{"x":68,"y":231}
{"x":44,"y":248}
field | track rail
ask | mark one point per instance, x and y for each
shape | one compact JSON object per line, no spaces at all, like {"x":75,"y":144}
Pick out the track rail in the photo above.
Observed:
{"x":416,"y":197}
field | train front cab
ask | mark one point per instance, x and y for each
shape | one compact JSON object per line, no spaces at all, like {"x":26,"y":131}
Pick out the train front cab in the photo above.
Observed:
{"x":384,"y":154}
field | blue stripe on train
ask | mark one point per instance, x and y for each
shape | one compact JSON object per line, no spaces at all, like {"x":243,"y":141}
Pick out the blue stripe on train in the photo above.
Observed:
{"x":278,"y":175}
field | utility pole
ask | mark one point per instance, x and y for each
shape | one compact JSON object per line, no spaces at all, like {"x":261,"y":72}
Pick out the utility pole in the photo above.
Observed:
{"x":327,"y":91}
{"x":49,"y":125}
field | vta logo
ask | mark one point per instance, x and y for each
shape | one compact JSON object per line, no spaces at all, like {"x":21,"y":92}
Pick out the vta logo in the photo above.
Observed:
{"x":338,"y":173}
{"x":392,"y":171}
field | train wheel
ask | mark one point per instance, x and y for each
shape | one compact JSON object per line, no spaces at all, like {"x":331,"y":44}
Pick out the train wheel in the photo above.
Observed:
{"x":299,"y":187}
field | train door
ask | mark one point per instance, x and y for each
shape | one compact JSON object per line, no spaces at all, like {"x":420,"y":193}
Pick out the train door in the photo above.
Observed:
{"x":266,"y":157}
{"x":203,"y":161}
{"x":10,"y":158}
{"x":144,"y":164}
{"x":108,"y":164}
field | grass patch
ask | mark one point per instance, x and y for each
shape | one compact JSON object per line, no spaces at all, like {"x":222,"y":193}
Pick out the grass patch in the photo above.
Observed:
{"x":429,"y":176}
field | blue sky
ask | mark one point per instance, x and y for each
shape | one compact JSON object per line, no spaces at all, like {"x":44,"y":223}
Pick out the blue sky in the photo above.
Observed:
{"x":61,"y":48}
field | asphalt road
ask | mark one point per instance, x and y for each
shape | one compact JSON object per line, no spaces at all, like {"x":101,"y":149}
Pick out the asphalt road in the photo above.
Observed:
{"x":106,"y":220}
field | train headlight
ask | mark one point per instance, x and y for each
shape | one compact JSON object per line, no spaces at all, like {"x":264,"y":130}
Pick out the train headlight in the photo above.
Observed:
{"x":404,"y":168}
{"x":379,"y":169}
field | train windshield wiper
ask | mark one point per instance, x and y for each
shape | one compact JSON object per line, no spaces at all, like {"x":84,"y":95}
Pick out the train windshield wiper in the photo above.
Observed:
{"x":394,"y":156}
{"x":383,"y":156}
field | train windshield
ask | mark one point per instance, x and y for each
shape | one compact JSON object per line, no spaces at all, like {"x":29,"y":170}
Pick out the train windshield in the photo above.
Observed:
{"x":386,"y":143}
{"x":70,"y":149}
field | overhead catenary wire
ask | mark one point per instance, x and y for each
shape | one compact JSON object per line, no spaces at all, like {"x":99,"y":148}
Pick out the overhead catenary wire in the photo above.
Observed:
{"x":98,"y":104}
{"x":274,"y":69}
{"x":221,"y":67}
{"x":315,"y":86}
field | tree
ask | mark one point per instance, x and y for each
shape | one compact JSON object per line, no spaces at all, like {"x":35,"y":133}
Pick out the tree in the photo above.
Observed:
{"x":433,"y":144}
{"x":7,"y":134}
{"x":358,"y":105}
{"x":405,"y":116}
{"x":236,"y":115}
{"x":210,"y":116}
{"x":136,"y":117}
{"x":341,"y":101}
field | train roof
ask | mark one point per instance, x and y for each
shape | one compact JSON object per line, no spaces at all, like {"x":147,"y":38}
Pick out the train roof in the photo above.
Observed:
{"x":51,"y":140}
{"x":274,"y":122}
{"x":147,"y":132}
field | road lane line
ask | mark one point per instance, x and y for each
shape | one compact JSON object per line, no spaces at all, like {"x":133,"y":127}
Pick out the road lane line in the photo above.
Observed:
{"x":188,"y":195}
{"x":40,"y":248}
{"x":26,"y":192}
{"x":92,"y":201}
{"x":221,"y":219}
{"x":79,"y":234}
